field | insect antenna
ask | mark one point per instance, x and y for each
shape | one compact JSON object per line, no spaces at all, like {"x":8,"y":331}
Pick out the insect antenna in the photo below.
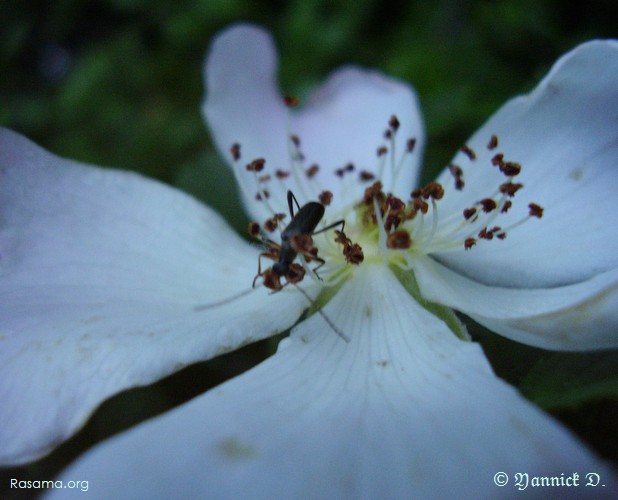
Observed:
{"x":222,"y":302}
{"x":324,"y":316}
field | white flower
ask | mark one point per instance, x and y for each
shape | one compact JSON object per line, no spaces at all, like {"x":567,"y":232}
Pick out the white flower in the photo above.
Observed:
{"x":110,"y":281}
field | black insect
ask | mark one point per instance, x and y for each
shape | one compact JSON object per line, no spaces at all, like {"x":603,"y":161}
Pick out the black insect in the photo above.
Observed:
{"x":296,"y":239}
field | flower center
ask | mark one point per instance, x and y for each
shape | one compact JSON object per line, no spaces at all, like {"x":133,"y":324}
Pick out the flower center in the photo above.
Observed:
{"x":378,"y":226}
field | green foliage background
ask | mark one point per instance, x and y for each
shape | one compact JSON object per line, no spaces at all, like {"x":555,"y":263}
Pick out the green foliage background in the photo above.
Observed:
{"x":119,"y":83}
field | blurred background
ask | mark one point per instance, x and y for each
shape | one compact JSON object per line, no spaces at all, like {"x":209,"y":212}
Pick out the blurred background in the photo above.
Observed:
{"x":119,"y":83}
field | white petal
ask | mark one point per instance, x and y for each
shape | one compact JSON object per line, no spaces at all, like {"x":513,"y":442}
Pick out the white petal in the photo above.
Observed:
{"x":403,"y":410}
{"x":243,"y":106}
{"x":100,"y":274}
{"x":564,"y":135}
{"x":581,"y":316}
{"x":343,"y":122}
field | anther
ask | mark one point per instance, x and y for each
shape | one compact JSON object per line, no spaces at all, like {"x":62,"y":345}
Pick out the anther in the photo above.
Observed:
{"x":399,"y":240}
{"x":295,"y":140}
{"x":468,"y":213}
{"x":510,"y":188}
{"x":535,"y":210}
{"x":262,"y":194}
{"x":312,"y":170}
{"x":497,"y":160}
{"x":393,"y":123}
{"x":420,"y":205}
{"x":281,"y":174}
{"x":235,"y":151}
{"x":467,"y":150}
{"x":365,"y":176}
{"x":506,"y":206}
{"x":382,"y":150}
{"x":493,"y":142}
{"x":433,"y":190}
{"x":325,"y":197}
{"x":256,"y":165}
{"x":510,"y":168}
{"x":488,"y":205}
{"x":469,"y":243}
{"x":410,"y":144}
{"x":457,"y":173}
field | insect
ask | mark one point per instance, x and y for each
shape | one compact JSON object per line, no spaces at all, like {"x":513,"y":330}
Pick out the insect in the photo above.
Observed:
{"x":296,"y":239}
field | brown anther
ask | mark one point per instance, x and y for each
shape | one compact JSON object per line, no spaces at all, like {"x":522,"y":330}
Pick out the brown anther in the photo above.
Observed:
{"x":506,"y":206}
{"x":497,"y":160}
{"x":469,"y":243}
{"x":312,"y":170}
{"x":420,"y":205}
{"x":485,"y":234}
{"x":281,"y":174}
{"x":433,"y":190}
{"x":395,"y":204}
{"x":295,"y":140}
{"x":325,"y":197}
{"x":510,"y":188}
{"x":382,"y":150}
{"x":488,"y":204}
{"x":393,"y":123}
{"x":365,"y":176}
{"x":290,"y":101}
{"x":510,"y":168}
{"x":256,"y":165}
{"x":264,"y":178}
{"x":535,"y":210}
{"x":416,"y":193}
{"x":501,"y":236}
{"x":410,"y":143}
{"x":467,"y":150}
{"x":270,"y":224}
{"x":468,"y":213}
{"x":254,"y":229}
{"x":235,"y":151}
{"x":373,"y":191}
{"x":457,"y":173}
{"x":455,"y":170}
{"x":392,"y":221}
{"x":399,"y":240}
{"x":493,"y":142}
{"x":259,"y":197}
{"x":349,"y":167}
{"x":388,"y":134}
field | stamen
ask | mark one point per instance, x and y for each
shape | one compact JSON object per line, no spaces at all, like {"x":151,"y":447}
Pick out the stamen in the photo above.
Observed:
{"x":325,"y":198}
{"x":467,"y":150}
{"x":235,"y":151}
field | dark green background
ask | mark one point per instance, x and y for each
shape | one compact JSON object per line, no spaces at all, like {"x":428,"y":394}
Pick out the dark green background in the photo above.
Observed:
{"x":119,"y":83}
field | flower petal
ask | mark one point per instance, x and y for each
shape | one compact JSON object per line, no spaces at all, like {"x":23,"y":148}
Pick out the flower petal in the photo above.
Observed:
{"x":564,"y":135}
{"x":581,"y":316}
{"x":404,"y":409}
{"x":101,"y":272}
{"x":343,"y":122}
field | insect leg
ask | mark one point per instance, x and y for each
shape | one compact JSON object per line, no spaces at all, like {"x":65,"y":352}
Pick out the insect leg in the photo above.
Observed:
{"x":330,"y":226}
